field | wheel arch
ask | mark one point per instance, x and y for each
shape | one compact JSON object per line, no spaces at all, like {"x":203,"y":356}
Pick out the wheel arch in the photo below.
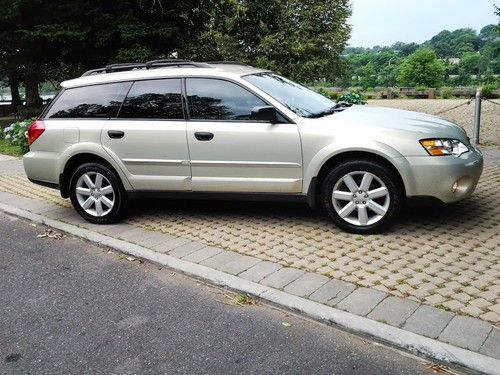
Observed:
{"x":314,"y":189}
{"x":76,"y":160}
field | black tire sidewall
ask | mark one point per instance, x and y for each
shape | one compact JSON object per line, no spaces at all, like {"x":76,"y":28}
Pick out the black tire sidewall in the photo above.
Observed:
{"x":120,"y":195}
{"x":396,"y":194}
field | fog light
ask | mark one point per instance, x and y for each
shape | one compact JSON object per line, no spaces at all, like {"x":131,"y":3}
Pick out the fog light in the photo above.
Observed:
{"x":454,"y":187}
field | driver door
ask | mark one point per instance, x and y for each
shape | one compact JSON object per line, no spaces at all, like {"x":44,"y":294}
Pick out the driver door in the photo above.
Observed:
{"x":231,"y":152}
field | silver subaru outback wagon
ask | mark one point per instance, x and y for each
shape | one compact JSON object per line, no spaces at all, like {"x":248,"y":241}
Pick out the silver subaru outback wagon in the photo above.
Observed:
{"x":230,"y":130}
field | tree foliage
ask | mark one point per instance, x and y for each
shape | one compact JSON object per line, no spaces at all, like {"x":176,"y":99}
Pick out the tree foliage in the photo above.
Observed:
{"x":422,"y":68}
{"x":468,"y":58}
{"x":302,"y":39}
{"x":57,"y":39}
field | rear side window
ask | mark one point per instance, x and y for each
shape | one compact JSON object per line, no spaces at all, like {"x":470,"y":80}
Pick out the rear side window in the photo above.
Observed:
{"x":214,"y":99}
{"x":98,"y":101}
{"x":155,"y":99}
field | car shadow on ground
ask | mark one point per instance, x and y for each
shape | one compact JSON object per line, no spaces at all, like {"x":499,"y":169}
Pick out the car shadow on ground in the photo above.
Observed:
{"x":471,"y":213}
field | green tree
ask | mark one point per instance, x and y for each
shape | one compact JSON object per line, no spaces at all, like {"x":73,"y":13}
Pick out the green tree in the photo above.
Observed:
{"x":448,"y":44}
{"x":368,"y":76}
{"x":422,"y":68}
{"x":56,"y":39}
{"x":473,"y":64}
{"x":302,"y":39}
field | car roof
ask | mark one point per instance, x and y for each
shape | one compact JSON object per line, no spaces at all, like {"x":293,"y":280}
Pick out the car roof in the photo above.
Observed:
{"x":221,"y":70}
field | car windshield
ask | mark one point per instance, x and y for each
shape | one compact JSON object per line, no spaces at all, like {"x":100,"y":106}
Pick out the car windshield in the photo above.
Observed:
{"x":299,"y":99}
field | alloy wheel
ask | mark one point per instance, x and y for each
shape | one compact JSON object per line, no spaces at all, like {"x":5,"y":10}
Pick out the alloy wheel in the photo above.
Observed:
{"x":360,"y":198}
{"x":95,"y":194}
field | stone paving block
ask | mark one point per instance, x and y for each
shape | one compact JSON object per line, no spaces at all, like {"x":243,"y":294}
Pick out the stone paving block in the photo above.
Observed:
{"x":259,"y":271}
{"x":428,"y":321}
{"x":230,"y":262}
{"x":186,"y":249}
{"x":491,"y":346}
{"x":131,"y":235}
{"x":221,"y":259}
{"x":491,"y":316}
{"x":394,"y":310}
{"x":57,"y":212}
{"x":169,"y":244}
{"x":202,"y":254}
{"x":466,"y":332}
{"x":306,"y":284}
{"x":150,"y":239}
{"x":33,"y":205}
{"x":72,"y":217}
{"x":361,"y":301}
{"x":116,"y":229}
{"x":282,"y":277}
{"x":239,"y":265}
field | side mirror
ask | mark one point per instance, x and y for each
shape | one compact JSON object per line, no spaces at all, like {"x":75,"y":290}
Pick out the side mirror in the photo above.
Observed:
{"x":266,"y":113}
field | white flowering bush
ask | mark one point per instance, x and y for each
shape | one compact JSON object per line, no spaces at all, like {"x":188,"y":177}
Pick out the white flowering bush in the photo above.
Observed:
{"x":17,"y":133}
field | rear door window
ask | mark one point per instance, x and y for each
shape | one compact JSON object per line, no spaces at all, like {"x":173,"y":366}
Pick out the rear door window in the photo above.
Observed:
{"x":154,"y":99}
{"x":97,"y":101}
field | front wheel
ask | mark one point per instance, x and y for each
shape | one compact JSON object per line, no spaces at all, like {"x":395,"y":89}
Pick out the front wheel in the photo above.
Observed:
{"x":362,"y":196}
{"x":97,"y":194}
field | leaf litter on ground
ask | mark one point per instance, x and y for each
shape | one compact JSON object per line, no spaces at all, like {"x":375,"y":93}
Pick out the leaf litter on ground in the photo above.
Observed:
{"x":49,"y":233}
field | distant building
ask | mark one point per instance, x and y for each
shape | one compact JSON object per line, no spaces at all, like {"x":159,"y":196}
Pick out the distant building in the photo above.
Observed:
{"x":452,"y":60}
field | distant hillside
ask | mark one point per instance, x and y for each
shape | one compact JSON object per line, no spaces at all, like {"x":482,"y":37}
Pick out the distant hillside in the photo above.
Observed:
{"x":468,"y":57}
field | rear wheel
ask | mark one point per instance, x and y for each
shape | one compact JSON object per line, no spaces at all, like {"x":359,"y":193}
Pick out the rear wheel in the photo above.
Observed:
{"x":362,"y":196}
{"x":97,"y":194}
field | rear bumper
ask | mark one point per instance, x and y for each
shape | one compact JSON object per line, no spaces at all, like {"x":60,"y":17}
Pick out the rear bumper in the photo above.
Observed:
{"x":447,"y":178}
{"x":41,"y":166}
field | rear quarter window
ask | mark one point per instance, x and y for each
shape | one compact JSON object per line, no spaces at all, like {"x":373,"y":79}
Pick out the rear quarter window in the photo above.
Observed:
{"x":97,"y":101}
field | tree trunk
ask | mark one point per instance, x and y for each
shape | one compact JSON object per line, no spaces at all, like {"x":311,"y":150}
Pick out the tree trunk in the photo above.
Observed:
{"x":14,"y":91}
{"x":33,"y":99}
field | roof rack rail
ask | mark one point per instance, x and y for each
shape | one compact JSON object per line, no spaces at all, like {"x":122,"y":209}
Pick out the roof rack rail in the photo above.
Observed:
{"x":226,"y":62}
{"x":122,"y":67}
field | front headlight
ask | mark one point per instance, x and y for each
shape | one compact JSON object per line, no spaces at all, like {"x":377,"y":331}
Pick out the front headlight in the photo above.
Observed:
{"x":442,"y":147}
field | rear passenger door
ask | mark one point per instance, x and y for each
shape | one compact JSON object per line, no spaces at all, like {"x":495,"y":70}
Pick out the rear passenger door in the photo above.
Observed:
{"x":149,"y":136}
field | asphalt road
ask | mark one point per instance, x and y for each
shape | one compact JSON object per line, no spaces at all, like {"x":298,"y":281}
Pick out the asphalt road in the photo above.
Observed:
{"x":67,"y":306}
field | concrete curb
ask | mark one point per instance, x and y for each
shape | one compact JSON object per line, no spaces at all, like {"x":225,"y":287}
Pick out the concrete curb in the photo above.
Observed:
{"x":397,"y":337}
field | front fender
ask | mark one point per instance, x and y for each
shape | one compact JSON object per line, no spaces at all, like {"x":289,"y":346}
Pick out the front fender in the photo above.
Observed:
{"x":336,"y":149}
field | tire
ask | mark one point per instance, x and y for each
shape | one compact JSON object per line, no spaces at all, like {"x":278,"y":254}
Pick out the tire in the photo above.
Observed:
{"x":97,"y":194}
{"x":362,"y":196}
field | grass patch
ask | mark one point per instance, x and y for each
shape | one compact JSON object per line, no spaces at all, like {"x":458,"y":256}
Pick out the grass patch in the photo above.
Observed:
{"x":8,"y":148}
{"x":244,"y":299}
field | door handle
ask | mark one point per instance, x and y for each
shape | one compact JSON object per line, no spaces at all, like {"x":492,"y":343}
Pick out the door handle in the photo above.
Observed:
{"x":204,"y":136}
{"x":115,"y":134}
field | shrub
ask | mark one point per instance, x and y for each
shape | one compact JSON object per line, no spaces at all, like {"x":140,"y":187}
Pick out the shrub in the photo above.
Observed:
{"x":446,"y":92}
{"x":17,"y":133}
{"x":329,"y":94}
{"x":352,"y":98}
{"x":487,"y":90}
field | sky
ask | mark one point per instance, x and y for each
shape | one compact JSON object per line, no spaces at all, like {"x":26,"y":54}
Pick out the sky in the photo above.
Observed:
{"x":384,"y":22}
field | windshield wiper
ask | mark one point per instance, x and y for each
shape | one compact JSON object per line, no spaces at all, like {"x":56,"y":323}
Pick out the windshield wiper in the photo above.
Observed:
{"x":339,"y":107}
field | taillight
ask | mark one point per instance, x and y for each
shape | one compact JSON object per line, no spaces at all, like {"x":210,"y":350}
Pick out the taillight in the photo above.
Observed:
{"x":35,"y":130}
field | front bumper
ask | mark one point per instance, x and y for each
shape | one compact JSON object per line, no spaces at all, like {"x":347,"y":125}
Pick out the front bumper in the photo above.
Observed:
{"x":447,"y":178}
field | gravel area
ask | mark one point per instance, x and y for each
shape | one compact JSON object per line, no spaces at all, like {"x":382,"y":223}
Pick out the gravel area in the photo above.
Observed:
{"x":464,"y":115}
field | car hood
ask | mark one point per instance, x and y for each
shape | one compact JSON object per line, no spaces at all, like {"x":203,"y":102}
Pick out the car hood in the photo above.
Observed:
{"x":421,"y":125}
